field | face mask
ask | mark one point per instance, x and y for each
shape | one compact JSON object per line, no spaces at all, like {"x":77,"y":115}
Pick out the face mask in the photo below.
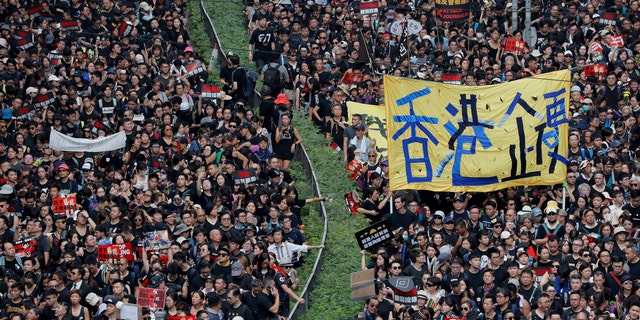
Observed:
{"x":391,"y":42}
{"x":405,"y":238}
{"x":585,"y":108}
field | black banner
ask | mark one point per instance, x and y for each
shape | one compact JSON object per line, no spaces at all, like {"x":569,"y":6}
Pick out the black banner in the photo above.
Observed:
{"x":452,"y":10}
{"x":374,"y":235}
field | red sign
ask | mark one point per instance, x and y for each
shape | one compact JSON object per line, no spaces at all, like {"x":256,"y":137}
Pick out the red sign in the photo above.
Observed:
{"x":595,"y":47}
{"x":194,"y":69}
{"x":211,"y":92}
{"x":151,"y":298}
{"x":351,"y":203}
{"x":125,"y":29}
{"x":351,"y":78}
{"x":452,"y":78}
{"x":44,"y":100}
{"x":62,"y":205}
{"x":181,"y":318}
{"x":71,"y":25}
{"x":598,"y":70}
{"x":616,"y":41}
{"x":115,"y":251}
{"x":26,"y":247}
{"x":513,"y":45}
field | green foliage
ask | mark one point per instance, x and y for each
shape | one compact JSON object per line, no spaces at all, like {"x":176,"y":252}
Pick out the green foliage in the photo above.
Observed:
{"x":198,"y":34}
{"x":331,"y":291}
{"x":231,"y":27}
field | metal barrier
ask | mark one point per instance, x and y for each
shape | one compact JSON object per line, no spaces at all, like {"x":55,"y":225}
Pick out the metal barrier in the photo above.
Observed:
{"x":301,"y":155}
{"x":213,"y":36}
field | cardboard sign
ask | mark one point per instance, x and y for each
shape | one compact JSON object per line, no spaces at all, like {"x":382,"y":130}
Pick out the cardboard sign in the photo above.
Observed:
{"x":598,"y":70}
{"x":194,"y":69}
{"x":130,"y":312}
{"x":62,"y":205}
{"x":125,"y":29}
{"x":351,"y":203}
{"x":26,"y":247}
{"x":351,"y":78}
{"x":71,"y":25}
{"x":211,"y":92}
{"x":151,"y":297}
{"x":513,"y":45}
{"x":115,"y":251}
{"x":616,"y":41}
{"x":44,"y":100}
{"x":374,"y":235}
{"x":157,"y":240}
{"x":245,"y":176}
{"x":362,"y":285}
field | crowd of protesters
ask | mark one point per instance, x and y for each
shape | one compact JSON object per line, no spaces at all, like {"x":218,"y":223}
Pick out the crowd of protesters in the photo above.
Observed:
{"x":201,"y":190}
{"x":212,"y":174}
{"x":563,"y":252}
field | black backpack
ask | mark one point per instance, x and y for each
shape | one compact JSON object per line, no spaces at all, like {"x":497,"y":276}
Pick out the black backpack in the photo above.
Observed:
{"x":272,"y":76}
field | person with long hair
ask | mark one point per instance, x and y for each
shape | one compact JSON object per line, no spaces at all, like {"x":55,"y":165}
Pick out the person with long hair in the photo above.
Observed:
{"x":446,"y":308}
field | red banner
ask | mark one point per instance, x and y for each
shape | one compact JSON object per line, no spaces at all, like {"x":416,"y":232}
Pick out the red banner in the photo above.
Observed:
{"x":351,"y":203}
{"x":125,"y":29}
{"x":452,"y":78}
{"x":598,"y":70}
{"x":351,"y":78}
{"x":211,"y":92}
{"x":62,"y":205}
{"x":26,"y":247}
{"x":151,"y":298}
{"x":181,"y":318}
{"x":616,"y":41}
{"x":115,"y":251}
{"x":71,"y":25}
{"x":513,"y":45}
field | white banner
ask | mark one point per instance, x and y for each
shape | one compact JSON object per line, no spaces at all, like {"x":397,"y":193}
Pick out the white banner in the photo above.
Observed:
{"x":61,"y":142}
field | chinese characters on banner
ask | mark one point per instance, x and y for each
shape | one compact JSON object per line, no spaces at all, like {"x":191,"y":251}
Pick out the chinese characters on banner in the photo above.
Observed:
{"x":151,"y":297}
{"x":461,"y":138}
{"x":374,"y":235}
{"x":616,"y":41}
{"x":113,"y":252}
{"x":60,"y":206}
{"x":513,"y":45}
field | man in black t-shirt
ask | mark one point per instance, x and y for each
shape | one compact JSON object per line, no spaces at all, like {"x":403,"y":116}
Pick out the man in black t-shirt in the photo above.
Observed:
{"x":259,"y":303}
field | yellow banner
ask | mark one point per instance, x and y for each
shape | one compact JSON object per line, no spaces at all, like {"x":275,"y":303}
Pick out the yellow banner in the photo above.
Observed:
{"x":462,"y":138}
{"x":375,"y":118}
